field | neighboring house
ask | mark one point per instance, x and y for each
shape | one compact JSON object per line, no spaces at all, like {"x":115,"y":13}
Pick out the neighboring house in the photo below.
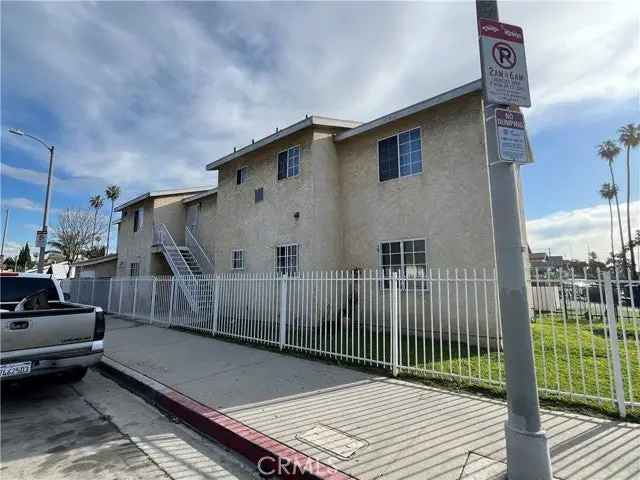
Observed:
{"x":543,"y":263}
{"x":100,"y":267}
{"x":59,"y":270}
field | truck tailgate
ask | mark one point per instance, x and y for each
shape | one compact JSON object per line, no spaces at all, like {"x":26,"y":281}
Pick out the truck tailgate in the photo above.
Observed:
{"x":44,"y":328}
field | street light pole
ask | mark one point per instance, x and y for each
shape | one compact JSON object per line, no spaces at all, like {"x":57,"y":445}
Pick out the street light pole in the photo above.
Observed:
{"x":526,"y":442}
{"x":4,"y":234}
{"x":45,"y":217}
{"x":47,"y":198}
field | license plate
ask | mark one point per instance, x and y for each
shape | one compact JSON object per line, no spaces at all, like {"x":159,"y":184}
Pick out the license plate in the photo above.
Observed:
{"x":13,"y":369}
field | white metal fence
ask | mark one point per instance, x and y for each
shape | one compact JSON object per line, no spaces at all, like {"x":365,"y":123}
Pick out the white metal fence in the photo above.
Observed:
{"x":447,"y":324}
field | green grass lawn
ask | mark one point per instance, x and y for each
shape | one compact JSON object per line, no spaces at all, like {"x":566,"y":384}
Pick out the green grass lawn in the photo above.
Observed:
{"x":570,"y":357}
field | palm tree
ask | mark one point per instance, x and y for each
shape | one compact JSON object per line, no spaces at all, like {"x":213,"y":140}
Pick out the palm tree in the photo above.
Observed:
{"x":630,"y":138}
{"x":637,"y":241}
{"x":609,"y":150}
{"x":608,"y":192}
{"x":96,"y":203}
{"x":113,"y":193}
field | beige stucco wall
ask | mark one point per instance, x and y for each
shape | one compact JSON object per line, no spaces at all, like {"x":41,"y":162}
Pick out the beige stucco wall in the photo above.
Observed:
{"x":448,"y":204}
{"x":171,"y":211}
{"x":135,"y":246}
{"x":99,"y":270}
{"x":234,"y":221}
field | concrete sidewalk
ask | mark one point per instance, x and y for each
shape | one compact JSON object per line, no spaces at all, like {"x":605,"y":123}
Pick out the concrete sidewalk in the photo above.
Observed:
{"x":365,"y":425}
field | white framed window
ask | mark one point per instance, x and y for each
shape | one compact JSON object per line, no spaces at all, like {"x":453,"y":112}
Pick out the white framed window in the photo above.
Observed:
{"x":134,"y":269}
{"x":400,"y":155}
{"x":289,"y":162}
{"x":242,"y":175}
{"x":237,"y":259}
{"x":406,"y":257}
{"x":287,"y":259}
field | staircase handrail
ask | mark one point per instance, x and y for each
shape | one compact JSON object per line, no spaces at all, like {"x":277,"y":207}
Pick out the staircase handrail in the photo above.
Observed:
{"x":191,"y":241}
{"x":163,"y":238}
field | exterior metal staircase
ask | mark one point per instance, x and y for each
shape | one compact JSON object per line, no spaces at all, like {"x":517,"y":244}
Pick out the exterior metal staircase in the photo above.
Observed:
{"x":185,"y":265}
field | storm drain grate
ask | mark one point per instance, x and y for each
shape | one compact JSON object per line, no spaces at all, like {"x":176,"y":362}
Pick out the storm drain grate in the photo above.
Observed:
{"x":333,"y":441}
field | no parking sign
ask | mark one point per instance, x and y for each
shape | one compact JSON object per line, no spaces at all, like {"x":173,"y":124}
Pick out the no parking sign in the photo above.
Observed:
{"x":504,"y":66}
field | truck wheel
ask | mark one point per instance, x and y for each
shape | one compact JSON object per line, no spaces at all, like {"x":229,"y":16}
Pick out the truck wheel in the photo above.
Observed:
{"x":75,"y":375}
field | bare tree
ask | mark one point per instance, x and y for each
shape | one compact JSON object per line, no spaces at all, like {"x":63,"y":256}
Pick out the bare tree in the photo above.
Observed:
{"x":73,"y":234}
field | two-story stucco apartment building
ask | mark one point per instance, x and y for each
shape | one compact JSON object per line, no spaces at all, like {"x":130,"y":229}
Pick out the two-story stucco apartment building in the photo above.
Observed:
{"x":408,"y":191}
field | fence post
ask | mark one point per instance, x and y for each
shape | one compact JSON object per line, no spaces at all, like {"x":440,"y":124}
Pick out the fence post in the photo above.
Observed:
{"x":615,"y":350}
{"x":135,"y":295}
{"x":394,"y":323}
{"x":120,"y":301}
{"x":109,"y":298}
{"x":283,"y":311}
{"x":216,"y":288}
{"x":173,"y":291}
{"x":153,"y":300}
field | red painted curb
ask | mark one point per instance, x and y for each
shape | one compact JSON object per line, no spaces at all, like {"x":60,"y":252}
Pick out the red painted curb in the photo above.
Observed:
{"x":272,"y":456}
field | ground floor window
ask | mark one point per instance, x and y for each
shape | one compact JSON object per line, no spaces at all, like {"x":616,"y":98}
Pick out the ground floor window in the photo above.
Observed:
{"x":408,"y":258}
{"x":287,"y":259}
{"x":237,"y":259}
{"x":134,"y":269}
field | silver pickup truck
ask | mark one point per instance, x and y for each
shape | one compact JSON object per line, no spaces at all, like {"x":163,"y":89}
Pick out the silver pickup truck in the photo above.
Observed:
{"x":44,"y":334}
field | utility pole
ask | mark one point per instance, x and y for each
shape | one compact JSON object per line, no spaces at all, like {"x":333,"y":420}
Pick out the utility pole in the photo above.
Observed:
{"x":527,"y":447}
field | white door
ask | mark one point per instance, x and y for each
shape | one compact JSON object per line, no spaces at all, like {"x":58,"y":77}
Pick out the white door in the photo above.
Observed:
{"x":193,"y":215}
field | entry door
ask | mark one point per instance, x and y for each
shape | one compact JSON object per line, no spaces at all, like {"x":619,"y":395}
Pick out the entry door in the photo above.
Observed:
{"x":193,"y":215}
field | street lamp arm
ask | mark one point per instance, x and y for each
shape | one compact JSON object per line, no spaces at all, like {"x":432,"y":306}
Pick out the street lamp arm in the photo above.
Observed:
{"x":21,"y":133}
{"x":48,"y":147}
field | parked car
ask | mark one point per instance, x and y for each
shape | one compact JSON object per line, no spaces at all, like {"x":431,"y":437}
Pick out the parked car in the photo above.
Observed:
{"x":42,"y":333}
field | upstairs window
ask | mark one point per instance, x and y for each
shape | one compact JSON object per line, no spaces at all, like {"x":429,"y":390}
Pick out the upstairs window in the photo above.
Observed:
{"x":138,"y":215}
{"x":237,"y":259}
{"x":287,"y":259}
{"x":289,"y":163}
{"x":400,"y":155}
{"x":242,"y":175}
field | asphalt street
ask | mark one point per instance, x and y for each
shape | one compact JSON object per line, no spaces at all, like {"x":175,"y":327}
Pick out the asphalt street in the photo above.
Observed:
{"x":96,"y":429}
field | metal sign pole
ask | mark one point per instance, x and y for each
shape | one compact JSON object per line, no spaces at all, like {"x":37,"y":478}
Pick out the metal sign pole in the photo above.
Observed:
{"x":527,"y":448}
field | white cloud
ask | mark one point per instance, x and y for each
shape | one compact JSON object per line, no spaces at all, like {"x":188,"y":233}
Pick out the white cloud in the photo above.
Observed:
{"x":146,"y":94}
{"x":21,"y":203}
{"x":11,"y":249}
{"x":36,"y":177}
{"x":571,"y":233}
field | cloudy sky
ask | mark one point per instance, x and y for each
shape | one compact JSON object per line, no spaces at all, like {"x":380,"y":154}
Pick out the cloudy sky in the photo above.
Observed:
{"x":145,"y":94}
